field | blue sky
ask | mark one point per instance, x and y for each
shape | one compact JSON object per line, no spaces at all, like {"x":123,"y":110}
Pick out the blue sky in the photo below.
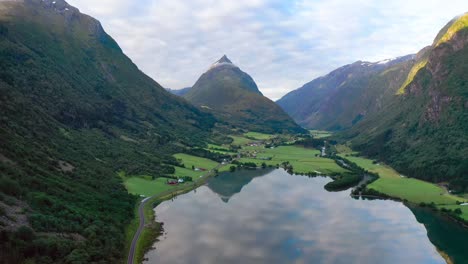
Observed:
{"x":281,"y":44}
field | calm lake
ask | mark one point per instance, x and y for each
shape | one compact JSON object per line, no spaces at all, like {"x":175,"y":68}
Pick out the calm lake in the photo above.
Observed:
{"x":269,"y":216}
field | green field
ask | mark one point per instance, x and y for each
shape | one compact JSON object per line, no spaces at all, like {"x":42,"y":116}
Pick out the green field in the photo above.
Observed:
{"x":240,"y":141}
{"x":258,"y":136}
{"x":189,"y":161}
{"x":220,"y":149}
{"x":320,"y":134}
{"x":197,"y":162}
{"x":303,"y":160}
{"x":416,"y":191}
{"x":145,"y":186}
{"x":181,"y":172}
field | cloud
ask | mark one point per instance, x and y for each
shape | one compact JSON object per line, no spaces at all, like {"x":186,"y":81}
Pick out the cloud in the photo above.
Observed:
{"x":282,"y":44}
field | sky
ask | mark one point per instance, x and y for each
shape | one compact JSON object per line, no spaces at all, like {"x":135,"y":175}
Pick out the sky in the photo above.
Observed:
{"x":281,"y":44}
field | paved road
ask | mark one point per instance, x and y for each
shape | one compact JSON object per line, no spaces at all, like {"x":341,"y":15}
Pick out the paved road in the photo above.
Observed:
{"x":141,"y":213}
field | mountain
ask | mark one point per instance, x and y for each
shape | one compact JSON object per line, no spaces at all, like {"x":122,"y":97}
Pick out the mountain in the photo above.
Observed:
{"x":233,"y":96}
{"x":229,"y":184}
{"x":345,"y":96}
{"x":179,"y":92}
{"x":411,"y":112}
{"x":423,"y":130}
{"x":75,"y":111}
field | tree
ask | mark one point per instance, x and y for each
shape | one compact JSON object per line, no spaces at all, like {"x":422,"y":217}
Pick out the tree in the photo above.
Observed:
{"x":25,"y":233}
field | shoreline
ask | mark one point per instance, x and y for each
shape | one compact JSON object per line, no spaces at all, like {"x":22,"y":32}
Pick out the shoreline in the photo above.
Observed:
{"x":407,"y":203}
{"x":151,"y":231}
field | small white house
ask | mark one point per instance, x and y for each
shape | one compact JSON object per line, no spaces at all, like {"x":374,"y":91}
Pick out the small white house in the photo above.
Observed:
{"x":180,"y":181}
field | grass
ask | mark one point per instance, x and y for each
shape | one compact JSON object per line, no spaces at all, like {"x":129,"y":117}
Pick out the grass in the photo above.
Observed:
{"x":320,"y":134}
{"x":181,"y":172}
{"x":416,"y":68}
{"x":130,"y":231}
{"x":258,"y":136}
{"x":152,"y":229}
{"x":219,"y":149}
{"x":197,"y":162}
{"x":302,"y":159}
{"x":393,"y":184}
{"x":464,"y":209}
{"x":240,"y":141}
{"x":461,"y":23}
{"x":145,"y":186}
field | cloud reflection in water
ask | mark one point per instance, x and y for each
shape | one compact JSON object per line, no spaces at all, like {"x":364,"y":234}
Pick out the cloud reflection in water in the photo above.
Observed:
{"x":279,"y":218}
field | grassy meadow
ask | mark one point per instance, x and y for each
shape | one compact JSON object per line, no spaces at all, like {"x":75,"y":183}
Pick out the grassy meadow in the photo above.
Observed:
{"x":414,"y":190}
{"x":197,"y":162}
{"x":320,"y":134}
{"x":303,"y":160}
{"x":239,"y":141}
{"x":146,"y":186}
{"x":258,"y":136}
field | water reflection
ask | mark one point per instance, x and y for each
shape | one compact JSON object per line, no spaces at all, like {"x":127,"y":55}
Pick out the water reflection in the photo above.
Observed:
{"x":448,"y":236}
{"x":228,"y":184}
{"x":281,"y":218}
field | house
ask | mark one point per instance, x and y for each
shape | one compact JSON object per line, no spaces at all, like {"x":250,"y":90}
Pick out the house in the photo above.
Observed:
{"x":180,"y":181}
{"x":172,"y":182}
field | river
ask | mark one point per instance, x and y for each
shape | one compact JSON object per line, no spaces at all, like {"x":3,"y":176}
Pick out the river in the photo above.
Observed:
{"x":269,"y":216}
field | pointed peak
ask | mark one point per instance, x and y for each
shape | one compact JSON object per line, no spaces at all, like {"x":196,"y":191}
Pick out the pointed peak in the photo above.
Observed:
{"x":224,"y":59}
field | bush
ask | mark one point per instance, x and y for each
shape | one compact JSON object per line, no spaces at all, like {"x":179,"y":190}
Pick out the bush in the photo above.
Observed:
{"x":10,"y":187}
{"x":343,"y":182}
{"x":25,"y":233}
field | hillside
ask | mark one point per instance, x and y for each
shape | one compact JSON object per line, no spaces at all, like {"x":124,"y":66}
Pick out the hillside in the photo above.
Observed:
{"x":423,"y":131}
{"x":347,"y":95}
{"x":75,"y":110}
{"x":233,"y":96}
{"x":410,"y":112}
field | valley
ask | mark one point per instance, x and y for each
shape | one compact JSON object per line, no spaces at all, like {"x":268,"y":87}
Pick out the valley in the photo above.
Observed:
{"x":260,"y":151}
{"x":101,"y":163}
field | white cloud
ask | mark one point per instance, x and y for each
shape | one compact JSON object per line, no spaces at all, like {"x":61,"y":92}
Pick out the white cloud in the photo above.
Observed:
{"x":282,"y":44}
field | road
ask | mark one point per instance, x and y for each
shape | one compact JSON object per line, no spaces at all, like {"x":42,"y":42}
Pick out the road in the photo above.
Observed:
{"x":141,"y":214}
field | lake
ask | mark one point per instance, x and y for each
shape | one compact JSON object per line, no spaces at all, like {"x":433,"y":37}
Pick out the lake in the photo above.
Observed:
{"x":269,"y":216}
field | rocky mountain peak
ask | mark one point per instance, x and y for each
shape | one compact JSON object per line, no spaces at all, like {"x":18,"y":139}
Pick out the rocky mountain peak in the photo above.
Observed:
{"x":224,"y":61}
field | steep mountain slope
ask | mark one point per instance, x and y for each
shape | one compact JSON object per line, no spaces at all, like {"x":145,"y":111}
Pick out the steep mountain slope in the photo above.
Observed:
{"x":345,"y":96}
{"x":75,"y":110}
{"x":423,"y":131}
{"x":232,"y":95}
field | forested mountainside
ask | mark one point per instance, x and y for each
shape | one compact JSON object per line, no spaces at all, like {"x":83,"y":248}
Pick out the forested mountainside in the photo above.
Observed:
{"x":423,"y":131}
{"x":75,"y":110}
{"x":411,"y":112}
{"x":233,"y":96}
{"x":345,"y":96}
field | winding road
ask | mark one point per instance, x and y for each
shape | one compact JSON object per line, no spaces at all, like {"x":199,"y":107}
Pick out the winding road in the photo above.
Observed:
{"x":141,"y":214}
